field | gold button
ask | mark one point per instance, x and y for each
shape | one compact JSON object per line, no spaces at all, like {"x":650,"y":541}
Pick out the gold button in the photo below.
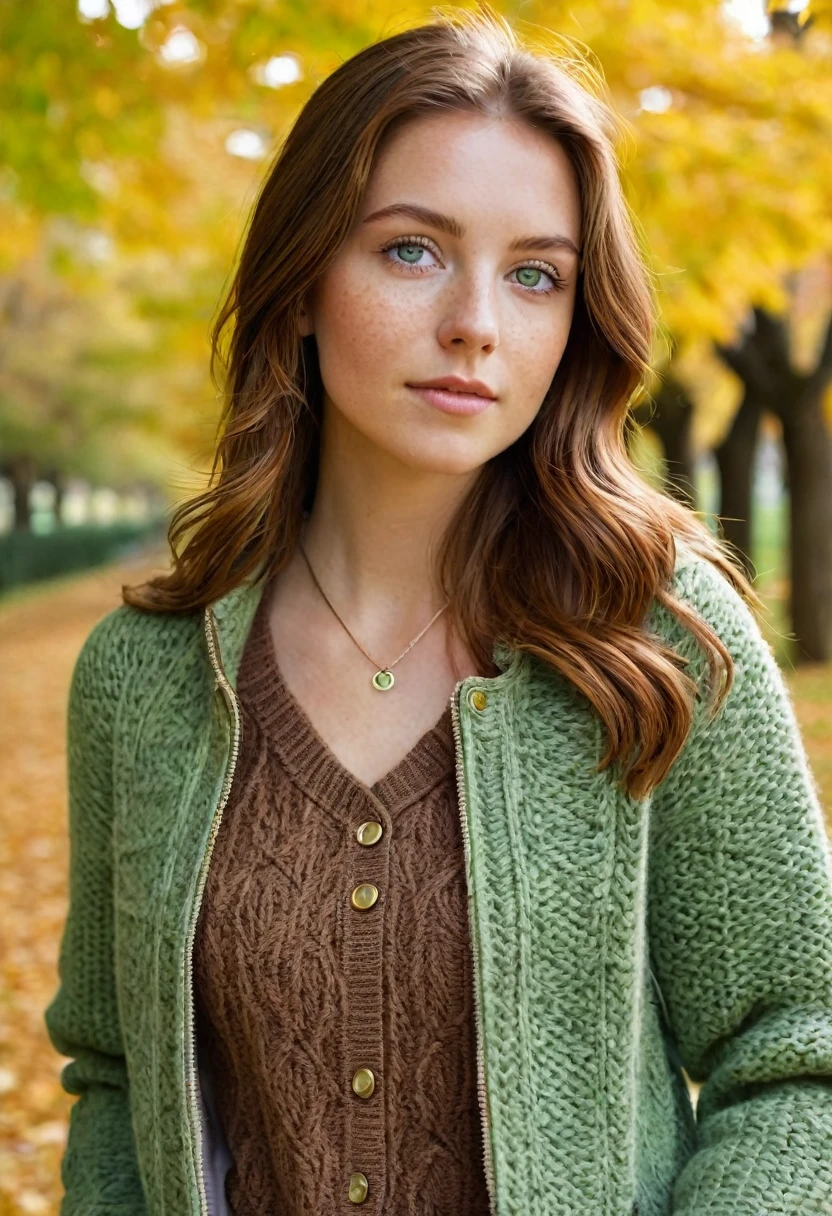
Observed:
{"x":369,"y":832}
{"x":359,"y":1186}
{"x":363,"y":1082}
{"x":364,"y":896}
{"x":477,"y":698}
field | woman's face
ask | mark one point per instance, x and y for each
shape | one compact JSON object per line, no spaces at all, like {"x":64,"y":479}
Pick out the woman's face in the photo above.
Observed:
{"x":463,"y":263}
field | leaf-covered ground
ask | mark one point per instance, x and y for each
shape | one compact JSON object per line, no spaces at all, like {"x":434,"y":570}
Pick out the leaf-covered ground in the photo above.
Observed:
{"x":41,"y":632}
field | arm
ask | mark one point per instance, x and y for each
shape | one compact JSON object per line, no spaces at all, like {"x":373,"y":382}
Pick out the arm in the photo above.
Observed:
{"x":99,"y":1169}
{"x":740,"y":925}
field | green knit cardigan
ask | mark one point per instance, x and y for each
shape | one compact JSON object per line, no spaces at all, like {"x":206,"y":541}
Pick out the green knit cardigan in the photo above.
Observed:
{"x":614,"y":940}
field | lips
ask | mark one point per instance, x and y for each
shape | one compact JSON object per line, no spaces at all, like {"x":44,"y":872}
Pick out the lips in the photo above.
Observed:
{"x":458,"y":384}
{"x":452,"y":400}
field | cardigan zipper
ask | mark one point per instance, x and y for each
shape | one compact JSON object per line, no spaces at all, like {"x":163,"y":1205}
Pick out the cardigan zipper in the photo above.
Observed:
{"x":483,"y":1097}
{"x":221,"y":681}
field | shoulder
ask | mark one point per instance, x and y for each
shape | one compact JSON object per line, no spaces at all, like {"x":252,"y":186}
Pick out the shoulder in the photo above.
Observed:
{"x":755,"y":720}
{"x":701,"y":583}
{"x":702,"y":588}
{"x":126,"y":644}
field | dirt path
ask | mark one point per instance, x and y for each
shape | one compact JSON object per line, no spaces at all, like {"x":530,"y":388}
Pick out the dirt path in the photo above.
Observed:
{"x":42,"y":630}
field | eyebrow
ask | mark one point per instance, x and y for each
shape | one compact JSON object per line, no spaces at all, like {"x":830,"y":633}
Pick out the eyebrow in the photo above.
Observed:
{"x":446,"y":223}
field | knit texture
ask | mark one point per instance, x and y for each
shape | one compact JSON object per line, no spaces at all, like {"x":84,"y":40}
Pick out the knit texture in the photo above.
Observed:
{"x":297,"y":989}
{"x":613,"y":941}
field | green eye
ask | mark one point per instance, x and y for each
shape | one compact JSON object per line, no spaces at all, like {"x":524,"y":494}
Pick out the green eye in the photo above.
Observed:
{"x":529,"y":270}
{"x":413,"y":252}
{"x":409,"y":252}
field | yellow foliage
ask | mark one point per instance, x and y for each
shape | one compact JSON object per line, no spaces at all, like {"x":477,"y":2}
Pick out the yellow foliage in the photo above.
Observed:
{"x":725,"y":148}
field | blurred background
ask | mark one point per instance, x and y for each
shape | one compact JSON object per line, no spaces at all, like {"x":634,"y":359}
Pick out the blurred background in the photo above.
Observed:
{"x":135,"y":135}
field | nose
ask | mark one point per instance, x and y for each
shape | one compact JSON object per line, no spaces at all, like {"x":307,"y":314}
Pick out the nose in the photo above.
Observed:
{"x":470,"y":314}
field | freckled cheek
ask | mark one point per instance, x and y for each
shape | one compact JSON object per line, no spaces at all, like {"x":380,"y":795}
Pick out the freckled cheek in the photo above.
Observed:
{"x":535,"y":353}
{"x":366,"y":328}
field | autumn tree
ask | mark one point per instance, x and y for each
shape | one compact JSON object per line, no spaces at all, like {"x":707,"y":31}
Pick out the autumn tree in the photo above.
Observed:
{"x":153,"y":140}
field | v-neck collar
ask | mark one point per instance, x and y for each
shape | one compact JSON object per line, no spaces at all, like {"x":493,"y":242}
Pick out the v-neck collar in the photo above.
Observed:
{"x":308,"y":759}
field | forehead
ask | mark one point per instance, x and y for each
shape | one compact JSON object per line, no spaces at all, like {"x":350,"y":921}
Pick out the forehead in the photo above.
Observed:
{"x":484,"y":170}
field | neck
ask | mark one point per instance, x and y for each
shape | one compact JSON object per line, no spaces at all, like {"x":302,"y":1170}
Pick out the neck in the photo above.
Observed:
{"x":374,"y":531}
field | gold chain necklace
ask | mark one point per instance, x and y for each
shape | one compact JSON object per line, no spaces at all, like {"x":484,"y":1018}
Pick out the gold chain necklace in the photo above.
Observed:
{"x":383,"y":678}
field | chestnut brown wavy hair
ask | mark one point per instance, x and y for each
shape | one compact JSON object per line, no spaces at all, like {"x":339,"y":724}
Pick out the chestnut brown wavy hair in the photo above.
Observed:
{"x":561,"y":545}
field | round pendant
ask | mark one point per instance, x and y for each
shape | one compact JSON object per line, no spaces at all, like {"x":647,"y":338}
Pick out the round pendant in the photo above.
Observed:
{"x":383,"y":680}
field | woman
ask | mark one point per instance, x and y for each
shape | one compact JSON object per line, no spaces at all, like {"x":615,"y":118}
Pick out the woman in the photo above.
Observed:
{"x":444,"y":800}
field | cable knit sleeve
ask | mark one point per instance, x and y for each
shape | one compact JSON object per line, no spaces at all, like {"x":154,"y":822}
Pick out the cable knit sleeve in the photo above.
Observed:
{"x":99,"y":1169}
{"x":740,"y":927}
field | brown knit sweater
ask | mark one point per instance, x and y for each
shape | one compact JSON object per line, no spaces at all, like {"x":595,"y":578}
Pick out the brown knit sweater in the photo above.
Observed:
{"x":299,"y":992}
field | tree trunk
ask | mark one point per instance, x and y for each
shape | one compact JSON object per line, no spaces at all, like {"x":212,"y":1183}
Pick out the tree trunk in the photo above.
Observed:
{"x":735,"y":460}
{"x":808,"y":445}
{"x":58,"y":484}
{"x":671,"y":417}
{"x":763,"y":362}
{"x":675,"y":433}
{"x":21,"y":472}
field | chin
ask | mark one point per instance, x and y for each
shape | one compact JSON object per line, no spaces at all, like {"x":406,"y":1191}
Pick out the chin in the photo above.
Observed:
{"x":452,"y":456}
